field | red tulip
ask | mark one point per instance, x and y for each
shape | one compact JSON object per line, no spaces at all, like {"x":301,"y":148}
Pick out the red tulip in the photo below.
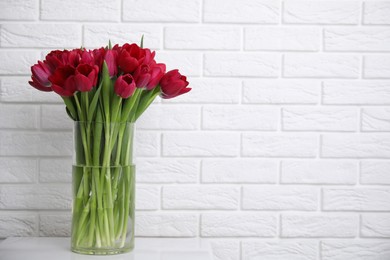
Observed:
{"x":110,"y":58}
{"x":87,"y":57}
{"x":124,"y":86}
{"x":98,"y":55}
{"x":63,"y":81}
{"x":55,"y":59}
{"x":129,"y":57}
{"x":148,"y":75}
{"x":40,"y":77}
{"x":173,"y":84}
{"x":73,"y":58}
{"x":86,"y":77}
{"x":59,"y":58}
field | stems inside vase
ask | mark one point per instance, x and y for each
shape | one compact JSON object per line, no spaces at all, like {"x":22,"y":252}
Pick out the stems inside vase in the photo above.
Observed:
{"x":103,"y":187}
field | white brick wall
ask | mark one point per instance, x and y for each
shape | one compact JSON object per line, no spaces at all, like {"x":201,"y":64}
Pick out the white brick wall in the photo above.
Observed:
{"x":280,"y":151}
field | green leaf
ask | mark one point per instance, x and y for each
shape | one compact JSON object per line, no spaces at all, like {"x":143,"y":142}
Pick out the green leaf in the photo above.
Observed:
{"x":70,"y":107}
{"x":109,"y":45}
{"x":116,"y":103}
{"x":142,"y":41}
{"x":146,"y":101}
{"x":129,"y":104}
{"x":106,"y":84}
{"x":92,"y":106}
{"x":69,"y":114}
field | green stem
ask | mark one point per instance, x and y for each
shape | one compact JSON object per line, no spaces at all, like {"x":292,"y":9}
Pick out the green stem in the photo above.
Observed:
{"x":106,"y":185}
{"x":93,"y":214}
{"x":128,"y":178}
{"x":81,"y":225}
{"x":129,"y":104}
{"x":146,"y":101}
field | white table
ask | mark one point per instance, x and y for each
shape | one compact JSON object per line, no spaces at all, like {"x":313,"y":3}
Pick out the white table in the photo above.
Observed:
{"x":56,"y":248}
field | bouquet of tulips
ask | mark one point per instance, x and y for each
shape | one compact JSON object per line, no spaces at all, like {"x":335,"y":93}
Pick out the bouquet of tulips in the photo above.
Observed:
{"x":105,"y":90}
{"x":126,"y":77}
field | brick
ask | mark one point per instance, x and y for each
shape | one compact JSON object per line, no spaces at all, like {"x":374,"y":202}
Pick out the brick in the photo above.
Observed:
{"x":321,"y":12}
{"x":18,"y":170}
{"x":146,"y":144}
{"x":355,"y":146}
{"x":374,"y":172}
{"x":321,"y":65}
{"x":319,"y":172}
{"x":17,"y":62}
{"x":55,"y":224}
{"x":315,"y":225}
{"x":147,"y":197}
{"x":279,"y":145}
{"x":200,"y":144}
{"x":355,"y":249}
{"x":239,"y":118}
{"x":225,"y":249}
{"x":34,"y":143}
{"x":163,"y":117}
{"x":40,"y":35}
{"x":357,"y":92}
{"x":245,"y":11}
{"x":361,"y":199}
{"x":150,"y":224}
{"x":19,"y":116}
{"x":376,"y":12}
{"x":190,"y":63}
{"x":167,"y":11}
{"x":376,"y":119}
{"x":204,"y":38}
{"x":238,"y":225}
{"x":222,"y":91}
{"x":376,"y":66}
{"x":239,"y":171}
{"x":200,"y":197}
{"x":73,"y":10}
{"x":35,"y":197}
{"x":282,"y":91}
{"x":319,"y":119}
{"x":55,"y":117}
{"x":375,"y":225}
{"x":19,"y":10}
{"x":55,"y":170}
{"x":18,"y":224}
{"x":97,"y":35}
{"x":242,"y":64}
{"x":359,"y":39}
{"x":279,"y":198}
{"x":16,"y":89}
{"x":167,"y":170}
{"x":282,"y":39}
{"x":292,"y":250}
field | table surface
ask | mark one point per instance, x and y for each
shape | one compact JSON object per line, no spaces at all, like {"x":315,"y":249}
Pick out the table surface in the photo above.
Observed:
{"x":58,"y":248}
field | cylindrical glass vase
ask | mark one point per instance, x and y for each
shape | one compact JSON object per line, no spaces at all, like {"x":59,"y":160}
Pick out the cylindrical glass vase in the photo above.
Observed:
{"x":103,"y":188}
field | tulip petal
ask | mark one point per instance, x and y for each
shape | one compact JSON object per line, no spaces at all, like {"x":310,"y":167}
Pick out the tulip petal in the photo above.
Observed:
{"x":62,"y":92}
{"x":82,"y":83}
{"x":38,"y":86}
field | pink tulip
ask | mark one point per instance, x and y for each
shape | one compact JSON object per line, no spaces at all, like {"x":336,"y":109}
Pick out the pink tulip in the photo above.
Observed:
{"x":124,"y":86}
{"x":40,"y":77}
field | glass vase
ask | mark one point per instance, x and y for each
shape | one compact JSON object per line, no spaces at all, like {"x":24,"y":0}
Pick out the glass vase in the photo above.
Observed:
{"x":103,"y":185}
